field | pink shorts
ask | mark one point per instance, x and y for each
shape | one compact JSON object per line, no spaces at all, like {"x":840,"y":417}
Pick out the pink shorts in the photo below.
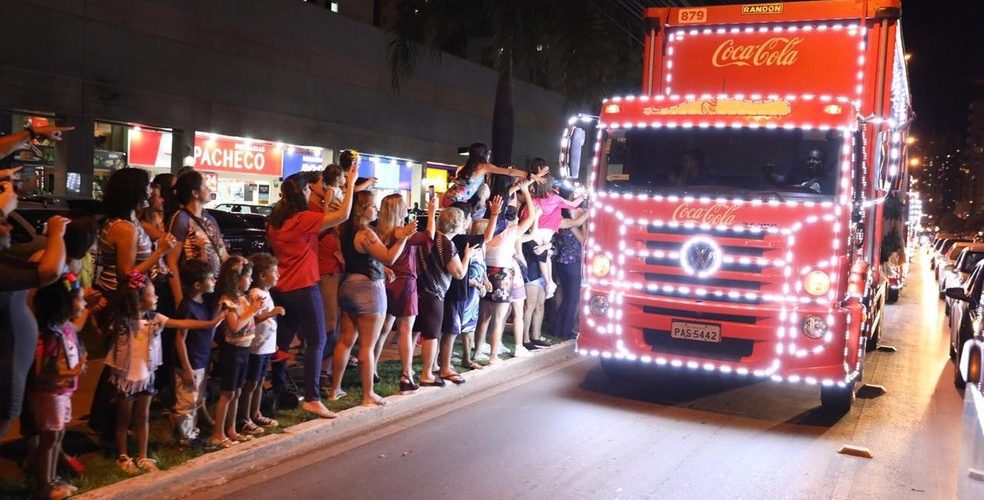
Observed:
{"x":51,"y":411}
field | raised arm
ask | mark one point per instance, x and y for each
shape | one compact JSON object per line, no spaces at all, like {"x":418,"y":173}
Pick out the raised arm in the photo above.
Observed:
{"x":18,"y":140}
{"x":432,"y":216}
{"x":458,"y":267}
{"x":373,"y":246}
{"x":53,"y":260}
{"x":532,"y":211}
{"x":495,"y":208}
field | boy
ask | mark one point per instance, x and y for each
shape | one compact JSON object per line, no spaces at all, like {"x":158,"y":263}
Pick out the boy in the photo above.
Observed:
{"x":264,"y":344}
{"x":194,"y":348}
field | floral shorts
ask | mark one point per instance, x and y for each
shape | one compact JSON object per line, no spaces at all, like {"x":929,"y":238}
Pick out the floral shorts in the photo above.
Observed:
{"x":507,"y":285}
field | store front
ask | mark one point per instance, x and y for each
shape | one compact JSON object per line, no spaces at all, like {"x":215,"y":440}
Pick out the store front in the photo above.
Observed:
{"x":435,"y":180}
{"x":393,"y":175}
{"x":244,"y":170}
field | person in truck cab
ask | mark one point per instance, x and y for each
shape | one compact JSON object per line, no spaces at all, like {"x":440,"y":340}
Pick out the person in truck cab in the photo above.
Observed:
{"x":813,"y":178}
{"x":691,"y":166}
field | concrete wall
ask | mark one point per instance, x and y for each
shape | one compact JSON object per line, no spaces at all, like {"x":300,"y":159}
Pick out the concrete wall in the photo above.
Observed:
{"x":269,"y":69}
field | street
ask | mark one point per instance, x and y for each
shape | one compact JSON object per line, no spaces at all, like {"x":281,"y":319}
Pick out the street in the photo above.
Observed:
{"x":574,"y":433}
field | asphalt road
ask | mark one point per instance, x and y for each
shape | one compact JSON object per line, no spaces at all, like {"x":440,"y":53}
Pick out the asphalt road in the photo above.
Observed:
{"x":574,"y":433}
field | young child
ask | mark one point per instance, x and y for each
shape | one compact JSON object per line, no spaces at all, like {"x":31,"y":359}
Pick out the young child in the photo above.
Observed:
{"x":550,"y":204}
{"x":135,"y":354}
{"x":193,"y":348}
{"x":58,"y":362}
{"x":264,"y":344}
{"x":237,"y":336}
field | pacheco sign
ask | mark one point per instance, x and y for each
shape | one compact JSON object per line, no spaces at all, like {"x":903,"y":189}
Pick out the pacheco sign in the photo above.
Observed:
{"x":227,"y":154}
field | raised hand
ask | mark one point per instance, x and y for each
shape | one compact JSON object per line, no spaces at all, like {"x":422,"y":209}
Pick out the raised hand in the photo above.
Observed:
{"x":52,"y":132}
{"x":495,"y":205}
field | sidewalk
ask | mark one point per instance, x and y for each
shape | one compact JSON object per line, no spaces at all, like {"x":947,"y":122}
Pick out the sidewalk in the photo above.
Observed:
{"x":222,"y":466}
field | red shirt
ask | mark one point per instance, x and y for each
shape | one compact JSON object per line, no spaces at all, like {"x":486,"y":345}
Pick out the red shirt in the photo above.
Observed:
{"x":327,"y":246}
{"x":294,"y":245}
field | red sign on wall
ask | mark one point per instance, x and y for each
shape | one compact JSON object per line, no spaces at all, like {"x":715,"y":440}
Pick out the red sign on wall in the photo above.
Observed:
{"x":227,"y":154}
{"x":783,"y":62}
{"x":149,"y":148}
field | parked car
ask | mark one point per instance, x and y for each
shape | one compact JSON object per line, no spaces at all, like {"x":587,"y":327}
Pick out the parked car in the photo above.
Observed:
{"x":245,"y":208}
{"x":254,"y":215}
{"x":947,"y":265}
{"x":239,"y":235}
{"x":966,"y":334}
{"x":941,"y":254}
{"x":960,"y":272}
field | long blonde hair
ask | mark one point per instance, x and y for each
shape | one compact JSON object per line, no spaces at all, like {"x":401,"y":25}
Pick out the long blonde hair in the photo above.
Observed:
{"x":361,"y":203}
{"x":391,"y":211}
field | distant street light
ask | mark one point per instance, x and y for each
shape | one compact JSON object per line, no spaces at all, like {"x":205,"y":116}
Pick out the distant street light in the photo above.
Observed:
{"x":910,"y":140}
{"x":914,"y":162}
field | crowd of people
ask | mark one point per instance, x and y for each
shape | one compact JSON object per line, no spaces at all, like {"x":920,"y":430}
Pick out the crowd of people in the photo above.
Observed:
{"x":174,"y":309}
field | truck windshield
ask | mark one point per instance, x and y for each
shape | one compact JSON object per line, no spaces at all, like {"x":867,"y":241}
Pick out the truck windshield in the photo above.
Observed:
{"x":777,"y":163}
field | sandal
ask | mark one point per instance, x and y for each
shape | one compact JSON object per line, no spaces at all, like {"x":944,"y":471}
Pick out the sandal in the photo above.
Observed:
{"x":454,"y":378}
{"x":225,"y":443}
{"x":437,"y":382}
{"x":242,"y":438}
{"x":250,"y":428}
{"x":471,"y":365}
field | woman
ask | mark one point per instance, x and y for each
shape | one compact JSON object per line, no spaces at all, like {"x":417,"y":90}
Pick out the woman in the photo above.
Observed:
{"x":362,"y":296}
{"x":123,"y":247}
{"x":293,"y":233}
{"x":470,"y":178}
{"x":506,"y":278}
{"x":18,"y":326}
{"x":401,"y":290}
{"x":195,"y":230}
{"x":568,"y":244}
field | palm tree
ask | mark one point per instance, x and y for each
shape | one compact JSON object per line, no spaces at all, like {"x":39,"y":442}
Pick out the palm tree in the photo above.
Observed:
{"x":579,"y":48}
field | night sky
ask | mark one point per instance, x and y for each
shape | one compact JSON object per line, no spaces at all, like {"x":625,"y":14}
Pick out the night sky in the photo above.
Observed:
{"x":946,"y":40}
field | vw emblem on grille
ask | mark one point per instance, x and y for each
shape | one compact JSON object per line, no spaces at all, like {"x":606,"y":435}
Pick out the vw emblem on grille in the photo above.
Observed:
{"x":700,"y":257}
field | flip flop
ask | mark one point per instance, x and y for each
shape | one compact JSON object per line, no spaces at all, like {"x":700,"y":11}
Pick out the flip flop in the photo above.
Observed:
{"x":437,"y":382}
{"x":456,"y":378}
{"x":474,"y":366}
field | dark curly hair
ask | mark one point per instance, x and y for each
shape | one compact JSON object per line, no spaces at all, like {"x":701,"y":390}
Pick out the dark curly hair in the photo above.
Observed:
{"x":53,"y":303}
{"x":124,"y":192}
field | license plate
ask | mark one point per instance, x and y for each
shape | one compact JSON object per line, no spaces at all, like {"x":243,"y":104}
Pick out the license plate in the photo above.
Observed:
{"x":701,"y":332}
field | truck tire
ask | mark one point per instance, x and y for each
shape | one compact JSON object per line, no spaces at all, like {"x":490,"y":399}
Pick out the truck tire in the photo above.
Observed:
{"x":835,"y":400}
{"x":615,"y":368}
{"x":893,"y":296}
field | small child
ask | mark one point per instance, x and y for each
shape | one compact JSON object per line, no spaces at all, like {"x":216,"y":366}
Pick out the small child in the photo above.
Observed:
{"x":58,"y":362}
{"x":237,"y":335}
{"x":194,"y":348}
{"x":265,"y":277}
{"x":550,"y":204}
{"x":132,"y":359}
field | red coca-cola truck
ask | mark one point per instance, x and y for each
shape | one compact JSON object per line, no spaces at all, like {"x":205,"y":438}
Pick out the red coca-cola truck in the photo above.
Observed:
{"x":736,"y":215}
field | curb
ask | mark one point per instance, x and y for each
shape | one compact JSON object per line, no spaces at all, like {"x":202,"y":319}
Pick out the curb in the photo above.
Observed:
{"x":216,"y":468}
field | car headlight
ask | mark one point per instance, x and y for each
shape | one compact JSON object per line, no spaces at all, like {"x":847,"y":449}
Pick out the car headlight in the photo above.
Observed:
{"x":600,"y":266}
{"x":814,"y":327}
{"x":598,"y":305}
{"x":816,"y":283}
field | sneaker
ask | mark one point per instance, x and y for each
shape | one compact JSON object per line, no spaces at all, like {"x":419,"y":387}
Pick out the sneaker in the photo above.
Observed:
{"x":503,"y":349}
{"x":147,"y":465}
{"x":265,"y":422}
{"x":252,"y":429}
{"x":484,"y":349}
{"x":125,"y":464}
{"x":522,"y":352}
{"x":482,"y":356}
{"x":530,"y":346}
{"x":541,"y":343}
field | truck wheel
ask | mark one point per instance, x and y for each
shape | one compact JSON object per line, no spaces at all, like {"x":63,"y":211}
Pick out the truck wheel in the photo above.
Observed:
{"x":893,"y":296}
{"x":615,"y":368}
{"x":837,"y":400}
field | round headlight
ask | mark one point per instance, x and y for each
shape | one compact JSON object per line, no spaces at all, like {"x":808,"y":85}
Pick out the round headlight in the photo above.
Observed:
{"x":816,"y":283}
{"x":814,"y":327}
{"x":600,"y":266}
{"x":598,"y":305}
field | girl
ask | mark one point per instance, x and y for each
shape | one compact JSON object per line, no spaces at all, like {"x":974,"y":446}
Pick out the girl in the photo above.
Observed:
{"x":135,"y":353}
{"x":293,"y":234}
{"x":550,"y":205}
{"x":506,"y":278}
{"x":470,"y":178}
{"x":237,"y":335}
{"x":264,"y":343}
{"x":59,"y":361}
{"x":362,"y":296}
{"x":401,"y":291}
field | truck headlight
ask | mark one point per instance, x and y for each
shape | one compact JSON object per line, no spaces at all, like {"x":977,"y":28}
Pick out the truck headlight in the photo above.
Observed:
{"x":816,"y":283}
{"x":600,"y":266}
{"x":598,"y":305}
{"x":814,"y":327}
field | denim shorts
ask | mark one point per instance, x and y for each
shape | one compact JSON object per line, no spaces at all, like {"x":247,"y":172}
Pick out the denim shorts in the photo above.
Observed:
{"x":360,"y":295}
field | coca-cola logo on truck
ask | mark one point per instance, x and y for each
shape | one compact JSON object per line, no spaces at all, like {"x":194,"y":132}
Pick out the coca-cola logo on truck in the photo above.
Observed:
{"x":776,"y":51}
{"x":716,"y":214}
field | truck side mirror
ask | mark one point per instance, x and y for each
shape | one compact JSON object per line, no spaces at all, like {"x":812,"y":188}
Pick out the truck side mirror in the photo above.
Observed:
{"x":570,"y":151}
